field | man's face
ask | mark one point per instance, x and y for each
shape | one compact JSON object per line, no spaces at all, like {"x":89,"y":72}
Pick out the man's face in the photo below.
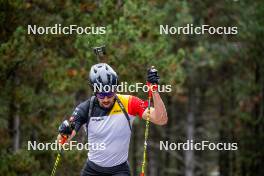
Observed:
{"x":106,"y":100}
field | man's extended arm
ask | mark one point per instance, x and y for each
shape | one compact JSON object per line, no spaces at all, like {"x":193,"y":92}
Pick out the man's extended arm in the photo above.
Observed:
{"x":77,"y":119}
{"x":158,"y":114}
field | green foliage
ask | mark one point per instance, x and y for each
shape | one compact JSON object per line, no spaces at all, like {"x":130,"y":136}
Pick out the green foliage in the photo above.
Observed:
{"x":20,"y":163}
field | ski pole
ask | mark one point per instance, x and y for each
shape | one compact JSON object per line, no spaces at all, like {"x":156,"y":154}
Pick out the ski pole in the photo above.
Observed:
{"x":62,"y":141}
{"x":146,"y":129}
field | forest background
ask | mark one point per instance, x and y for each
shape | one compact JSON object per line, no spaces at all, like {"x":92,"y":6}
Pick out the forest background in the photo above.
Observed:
{"x":217,"y":81}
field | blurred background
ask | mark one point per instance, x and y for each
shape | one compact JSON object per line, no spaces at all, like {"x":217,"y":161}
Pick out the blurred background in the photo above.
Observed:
{"x":217,"y":81}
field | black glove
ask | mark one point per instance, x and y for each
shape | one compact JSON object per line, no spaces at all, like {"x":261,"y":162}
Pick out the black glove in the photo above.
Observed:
{"x":153,"y":76}
{"x":66,"y":128}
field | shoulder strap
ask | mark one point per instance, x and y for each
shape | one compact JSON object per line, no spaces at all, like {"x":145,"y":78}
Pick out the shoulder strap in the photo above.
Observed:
{"x":91,"y":104}
{"x":124,"y":111}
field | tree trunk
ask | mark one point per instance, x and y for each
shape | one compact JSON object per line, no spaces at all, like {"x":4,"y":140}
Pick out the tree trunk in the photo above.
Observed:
{"x":223,"y":134}
{"x":14,"y":118}
{"x":257,"y":128}
{"x":134,"y":152}
{"x":200,"y":127}
{"x":168,"y":129}
{"x":16,"y":130}
{"x":189,"y":154}
{"x":152,"y":162}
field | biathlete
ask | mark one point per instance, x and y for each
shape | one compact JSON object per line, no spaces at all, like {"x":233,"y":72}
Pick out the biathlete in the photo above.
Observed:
{"x":108,"y":119}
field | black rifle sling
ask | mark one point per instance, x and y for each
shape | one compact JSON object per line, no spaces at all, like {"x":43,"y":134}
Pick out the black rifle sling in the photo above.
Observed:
{"x":124,"y":111}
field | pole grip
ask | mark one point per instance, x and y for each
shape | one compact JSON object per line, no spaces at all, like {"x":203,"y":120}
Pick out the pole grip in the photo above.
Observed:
{"x":63,"y":139}
{"x":149,"y":89}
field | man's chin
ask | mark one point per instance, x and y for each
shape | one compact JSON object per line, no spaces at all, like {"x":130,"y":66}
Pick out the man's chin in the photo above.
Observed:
{"x":106,"y":105}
